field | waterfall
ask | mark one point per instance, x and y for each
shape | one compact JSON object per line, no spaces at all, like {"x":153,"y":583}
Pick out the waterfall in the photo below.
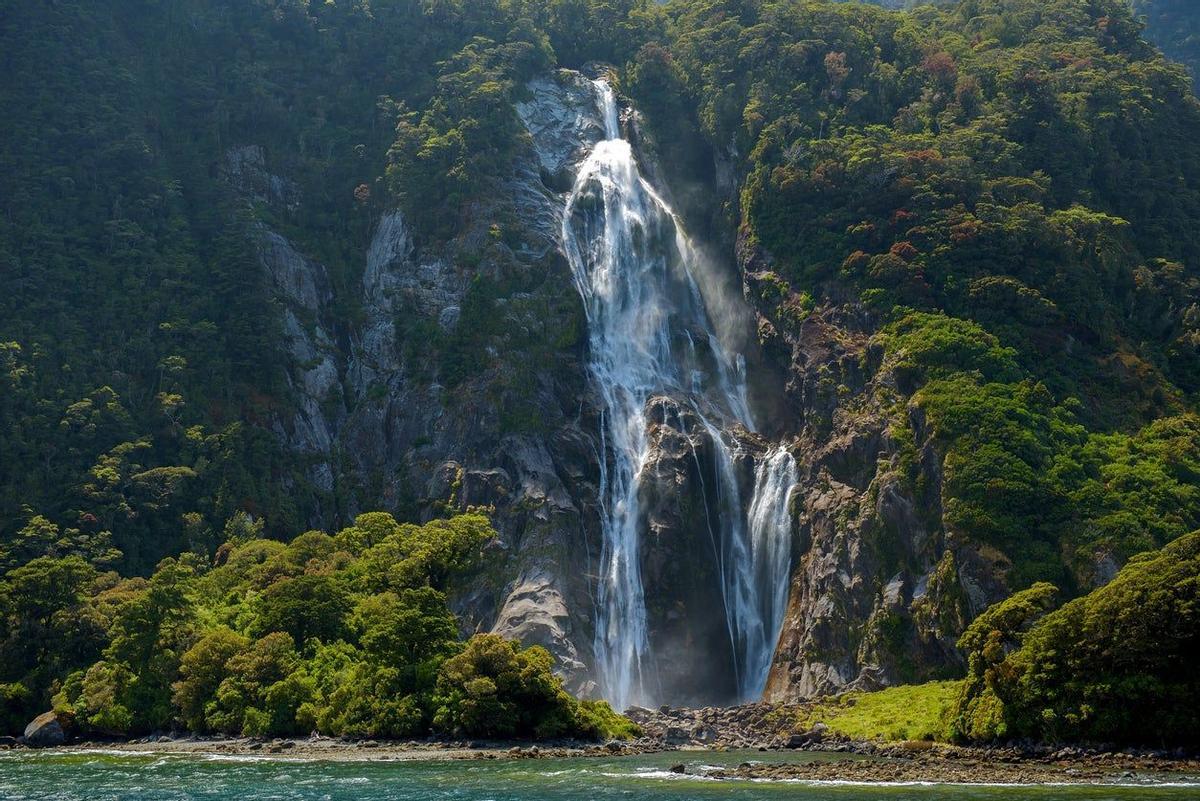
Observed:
{"x":768,"y":568}
{"x":632,"y":266}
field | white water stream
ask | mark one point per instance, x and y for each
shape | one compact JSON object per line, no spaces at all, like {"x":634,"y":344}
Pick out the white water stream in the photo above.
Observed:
{"x":633,"y":267}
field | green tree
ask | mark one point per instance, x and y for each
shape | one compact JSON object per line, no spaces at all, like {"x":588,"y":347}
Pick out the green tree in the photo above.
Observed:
{"x":304,"y":607}
{"x":495,"y":688}
{"x":46,"y":631}
{"x":202,"y":668}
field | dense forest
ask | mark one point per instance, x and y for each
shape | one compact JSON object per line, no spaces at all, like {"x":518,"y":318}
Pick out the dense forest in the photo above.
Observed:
{"x":345,"y":635}
{"x":1001,"y":194}
{"x":1172,"y":25}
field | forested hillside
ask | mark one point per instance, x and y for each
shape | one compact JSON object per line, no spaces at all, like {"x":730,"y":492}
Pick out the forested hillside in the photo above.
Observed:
{"x":1173,"y":25}
{"x":143,"y":363}
{"x":997,"y":205}
{"x":966,"y":233}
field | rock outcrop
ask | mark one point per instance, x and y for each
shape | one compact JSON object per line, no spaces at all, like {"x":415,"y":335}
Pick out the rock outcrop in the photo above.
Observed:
{"x":45,"y":731}
{"x":880,"y":590}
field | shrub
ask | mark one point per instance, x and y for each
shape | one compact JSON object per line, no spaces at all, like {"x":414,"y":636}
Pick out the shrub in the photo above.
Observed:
{"x":495,"y":688}
{"x":1114,"y":666}
{"x":991,"y":637}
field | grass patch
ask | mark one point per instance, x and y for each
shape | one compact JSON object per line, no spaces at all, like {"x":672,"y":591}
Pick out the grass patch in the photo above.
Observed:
{"x":599,"y":719}
{"x":910,"y":712}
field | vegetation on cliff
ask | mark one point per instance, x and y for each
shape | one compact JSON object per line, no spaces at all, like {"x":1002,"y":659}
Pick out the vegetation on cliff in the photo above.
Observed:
{"x":986,"y":176}
{"x":1114,"y":666}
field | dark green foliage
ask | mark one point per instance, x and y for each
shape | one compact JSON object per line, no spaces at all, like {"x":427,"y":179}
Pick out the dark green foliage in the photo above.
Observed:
{"x":202,"y":670}
{"x":1140,"y":491}
{"x":495,"y":688}
{"x":261,"y":693}
{"x":346,"y":635}
{"x":47,"y":629}
{"x":411,"y":628}
{"x":1021,"y":474}
{"x":1115,"y":666}
{"x":1001,"y":483}
{"x":1173,"y":25}
{"x":987,"y":642}
{"x":304,"y":607}
{"x":138,"y":319}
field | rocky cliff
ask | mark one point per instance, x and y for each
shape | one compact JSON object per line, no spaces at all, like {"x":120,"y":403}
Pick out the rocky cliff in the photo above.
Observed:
{"x":879,"y":592}
{"x":881,"y":589}
{"x":379,"y":407}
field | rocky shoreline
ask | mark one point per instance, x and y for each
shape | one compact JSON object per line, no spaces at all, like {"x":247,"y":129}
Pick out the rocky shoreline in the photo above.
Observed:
{"x":921,"y":762}
{"x":813,"y":756}
{"x":338,"y":749}
{"x":866,"y":763}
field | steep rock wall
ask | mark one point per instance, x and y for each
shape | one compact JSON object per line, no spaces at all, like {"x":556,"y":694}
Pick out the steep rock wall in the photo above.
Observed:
{"x":879,"y":589}
{"x":379,"y":425}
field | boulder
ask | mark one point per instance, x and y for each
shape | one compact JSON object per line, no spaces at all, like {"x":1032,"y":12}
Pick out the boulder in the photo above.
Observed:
{"x":811,"y":737}
{"x":677,"y":736}
{"x":44,"y":731}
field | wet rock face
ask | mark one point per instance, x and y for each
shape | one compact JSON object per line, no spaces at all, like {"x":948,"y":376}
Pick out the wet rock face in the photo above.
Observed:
{"x":302,"y":288}
{"x":680,"y":558}
{"x":245,"y":169}
{"x":561,"y":119}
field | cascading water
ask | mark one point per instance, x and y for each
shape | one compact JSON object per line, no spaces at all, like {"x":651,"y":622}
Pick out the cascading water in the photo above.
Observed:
{"x":768,"y":567}
{"x":631,"y":263}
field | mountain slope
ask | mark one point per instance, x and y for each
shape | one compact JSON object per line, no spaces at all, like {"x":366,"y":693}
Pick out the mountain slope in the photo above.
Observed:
{"x":951,"y":224}
{"x":302,"y":260}
{"x":1173,"y":25}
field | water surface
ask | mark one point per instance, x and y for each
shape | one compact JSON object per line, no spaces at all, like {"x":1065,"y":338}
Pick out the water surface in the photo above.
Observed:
{"x":64,"y":776}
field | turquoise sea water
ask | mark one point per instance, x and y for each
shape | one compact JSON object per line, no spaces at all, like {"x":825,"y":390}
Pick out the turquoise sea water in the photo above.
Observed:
{"x":109,"y":777}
